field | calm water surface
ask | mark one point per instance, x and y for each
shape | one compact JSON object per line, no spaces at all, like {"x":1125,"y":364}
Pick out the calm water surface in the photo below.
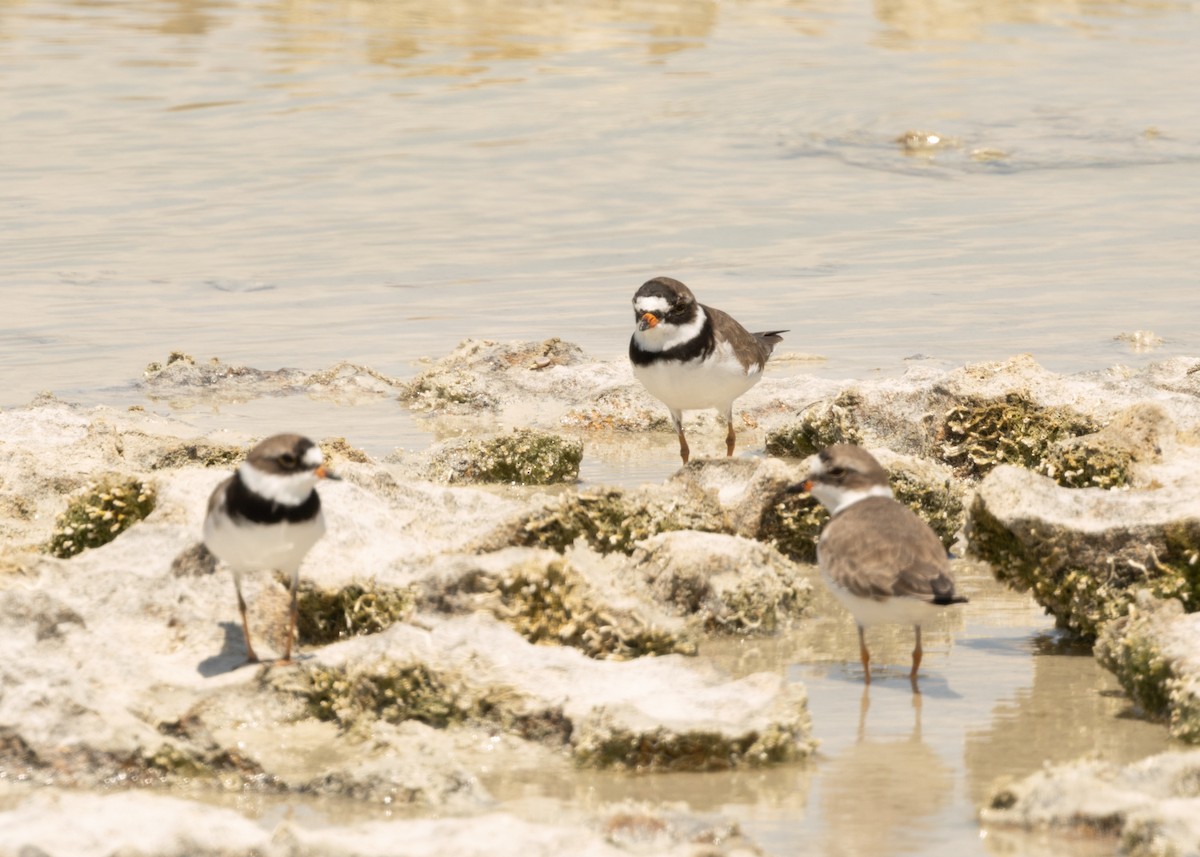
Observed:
{"x":294,"y":182}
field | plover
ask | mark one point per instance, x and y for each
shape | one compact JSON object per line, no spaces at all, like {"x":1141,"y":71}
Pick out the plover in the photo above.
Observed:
{"x":692,"y":356}
{"x":267,"y":516}
{"x":880,"y":560}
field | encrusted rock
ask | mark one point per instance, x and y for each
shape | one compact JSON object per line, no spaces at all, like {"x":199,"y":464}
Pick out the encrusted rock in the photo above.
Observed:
{"x":1154,"y":653}
{"x":1109,"y":458}
{"x":522,"y":457}
{"x":730,"y":584}
{"x":549,"y":599}
{"x":820,"y":425}
{"x":613,"y":519}
{"x":326,"y":614}
{"x":648,"y":714}
{"x":1084,"y":552}
{"x":468,"y":380}
{"x":979,"y":434}
{"x":1152,"y":806}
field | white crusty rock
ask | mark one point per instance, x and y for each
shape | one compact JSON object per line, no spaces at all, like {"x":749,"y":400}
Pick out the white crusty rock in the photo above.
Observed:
{"x":1151,"y":805}
{"x":665,"y":713}
{"x":729,"y":584}
{"x":1154,"y":651}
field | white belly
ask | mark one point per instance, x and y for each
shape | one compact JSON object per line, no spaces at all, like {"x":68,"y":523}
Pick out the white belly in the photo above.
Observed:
{"x":899,"y":610}
{"x":715,"y":383}
{"x":262,"y":547}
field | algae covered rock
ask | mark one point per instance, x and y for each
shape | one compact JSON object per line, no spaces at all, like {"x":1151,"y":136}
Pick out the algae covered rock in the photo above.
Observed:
{"x":100,"y":513}
{"x":820,"y":425}
{"x":327,"y":615}
{"x":552,"y":600}
{"x":793,"y":526}
{"x":929,"y":489}
{"x":1111,"y":457}
{"x":978,"y":434}
{"x":666,"y":713}
{"x":614,"y":520}
{"x":523,"y":457}
{"x":1084,"y":552}
{"x":1153,"y":651}
{"x":730,"y":584}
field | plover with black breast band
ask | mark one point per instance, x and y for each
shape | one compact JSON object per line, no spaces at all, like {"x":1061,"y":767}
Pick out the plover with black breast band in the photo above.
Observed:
{"x":880,"y":560}
{"x":266,"y":517}
{"x":692,"y":356}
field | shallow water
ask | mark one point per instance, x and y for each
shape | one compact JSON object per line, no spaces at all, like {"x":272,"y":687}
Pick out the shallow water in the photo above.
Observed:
{"x":1001,"y":694}
{"x":298,"y":183}
{"x":295,"y":183}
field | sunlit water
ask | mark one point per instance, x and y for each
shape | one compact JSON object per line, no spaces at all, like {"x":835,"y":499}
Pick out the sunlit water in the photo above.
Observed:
{"x":298,"y":183}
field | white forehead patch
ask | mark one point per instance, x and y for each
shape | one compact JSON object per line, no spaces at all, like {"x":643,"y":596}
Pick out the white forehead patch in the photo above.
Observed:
{"x":652,"y":303}
{"x":291,"y":489}
{"x":313,"y":457}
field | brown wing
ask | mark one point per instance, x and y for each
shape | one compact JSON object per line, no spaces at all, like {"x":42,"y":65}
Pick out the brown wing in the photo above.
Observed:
{"x":879,"y":548}
{"x":726,"y":328}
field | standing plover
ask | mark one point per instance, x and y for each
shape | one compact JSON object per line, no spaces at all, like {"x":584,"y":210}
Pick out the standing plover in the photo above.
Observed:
{"x":878,"y":558}
{"x":266,"y":517}
{"x":692,"y":356}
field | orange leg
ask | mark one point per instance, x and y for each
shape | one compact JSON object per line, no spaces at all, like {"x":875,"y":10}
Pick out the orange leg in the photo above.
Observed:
{"x":916,"y":654}
{"x":293,"y":615}
{"x":251,"y":658}
{"x":684,"y":452}
{"x":730,"y":439}
{"x":865,"y":655}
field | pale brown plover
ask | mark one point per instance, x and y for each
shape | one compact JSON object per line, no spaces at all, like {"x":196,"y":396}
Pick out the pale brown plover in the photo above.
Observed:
{"x":880,"y":560}
{"x":693,"y":356}
{"x":267,"y":516}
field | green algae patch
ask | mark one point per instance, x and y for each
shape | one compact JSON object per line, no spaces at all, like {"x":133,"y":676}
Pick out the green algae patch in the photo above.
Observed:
{"x":979,"y":434}
{"x":939,"y":504}
{"x":552,"y":604}
{"x":1089,"y":462}
{"x":100,"y":513}
{"x":819,"y":426}
{"x":329,"y":615}
{"x":388,"y":691}
{"x":1151,"y":652}
{"x":612,"y":520}
{"x":394,"y":692}
{"x":178,"y":764}
{"x":793,"y":525}
{"x":524,"y":457}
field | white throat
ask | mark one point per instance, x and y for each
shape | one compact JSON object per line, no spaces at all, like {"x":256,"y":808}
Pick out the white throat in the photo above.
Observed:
{"x":665,"y":336}
{"x":290,"y":489}
{"x":837,"y":499}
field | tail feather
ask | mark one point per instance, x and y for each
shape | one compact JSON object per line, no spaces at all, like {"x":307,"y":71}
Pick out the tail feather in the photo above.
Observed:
{"x":770,"y":338}
{"x":943,"y":592}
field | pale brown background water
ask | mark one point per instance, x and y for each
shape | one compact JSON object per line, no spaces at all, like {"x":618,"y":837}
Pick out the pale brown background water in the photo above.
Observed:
{"x":294,"y":183}
{"x":297,"y":183}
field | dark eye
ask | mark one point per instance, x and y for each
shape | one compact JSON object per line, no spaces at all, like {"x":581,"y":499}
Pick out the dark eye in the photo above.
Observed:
{"x":837,"y":472}
{"x":288,"y":460}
